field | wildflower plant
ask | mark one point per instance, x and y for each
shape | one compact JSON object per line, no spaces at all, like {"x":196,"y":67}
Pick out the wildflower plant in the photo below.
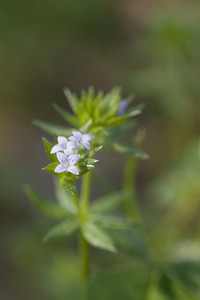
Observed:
{"x":96,"y":122}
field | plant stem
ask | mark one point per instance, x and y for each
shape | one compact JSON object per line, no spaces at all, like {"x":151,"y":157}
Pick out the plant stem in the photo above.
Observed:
{"x":84,"y":259}
{"x":85,"y":191}
{"x":150,"y":291}
{"x":84,"y":253}
{"x":76,"y":199}
{"x":131,"y":208}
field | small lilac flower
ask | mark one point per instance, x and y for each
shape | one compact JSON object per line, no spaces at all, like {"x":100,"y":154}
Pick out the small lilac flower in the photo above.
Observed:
{"x":67,"y":161}
{"x":62,"y":145}
{"x":122,"y":107}
{"x":81,"y":139}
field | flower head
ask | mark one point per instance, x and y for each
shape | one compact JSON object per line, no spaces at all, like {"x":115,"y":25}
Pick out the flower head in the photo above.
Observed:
{"x":67,"y":161}
{"x":81,"y":139}
{"x":122,"y":107}
{"x":62,"y":145}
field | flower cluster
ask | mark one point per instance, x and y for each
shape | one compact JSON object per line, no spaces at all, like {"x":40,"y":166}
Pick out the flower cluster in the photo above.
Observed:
{"x":65,"y":153}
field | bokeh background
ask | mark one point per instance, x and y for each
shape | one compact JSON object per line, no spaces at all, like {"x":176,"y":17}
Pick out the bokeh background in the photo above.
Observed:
{"x":151,"y":49}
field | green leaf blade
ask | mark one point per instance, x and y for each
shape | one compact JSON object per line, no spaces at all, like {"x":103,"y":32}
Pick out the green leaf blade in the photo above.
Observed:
{"x":187,"y":273}
{"x":53,"y":129}
{"x":95,"y":150}
{"x":48,"y":146}
{"x":72,"y":100}
{"x":116,"y":223}
{"x":66,"y":116}
{"x":97,"y":237}
{"x":50,"y":168}
{"x":63,"y":229}
{"x":85,"y":128}
{"x":108,"y":203}
{"x":128,"y":150}
{"x":65,"y":199}
{"x":68,"y":184}
{"x":46,"y":207}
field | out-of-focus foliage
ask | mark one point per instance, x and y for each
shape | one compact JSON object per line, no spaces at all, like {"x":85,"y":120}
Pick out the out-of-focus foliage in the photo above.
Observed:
{"x":155,"y":54}
{"x":168,"y":54}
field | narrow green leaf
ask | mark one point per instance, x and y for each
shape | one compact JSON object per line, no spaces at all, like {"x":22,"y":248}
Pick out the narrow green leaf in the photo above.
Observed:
{"x":92,"y":152}
{"x":48,"y":146}
{"x":45,"y":206}
{"x":85,"y":128}
{"x":97,"y":237}
{"x":128,"y":150}
{"x":130,"y":98}
{"x":134,"y":243}
{"x":65,"y":199}
{"x":166,"y":285}
{"x":91,"y":161}
{"x":119,"y":120}
{"x":63,"y":229}
{"x":90,"y":167}
{"x":111,"y":103}
{"x":108,"y":203}
{"x":187,"y":273}
{"x":99,"y":131}
{"x":66,"y":116}
{"x":51,"y":167}
{"x":90,"y":98}
{"x":68,"y":184}
{"x":116,"y":223}
{"x":83,"y":100}
{"x":116,"y":132}
{"x":72,"y":100}
{"x":116,"y":121}
{"x":84,"y":169}
{"x":136,"y":110}
{"x":52,"y":128}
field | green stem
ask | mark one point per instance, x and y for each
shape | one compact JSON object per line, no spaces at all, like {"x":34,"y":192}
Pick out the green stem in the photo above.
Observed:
{"x":84,"y":259}
{"x":84,"y":249}
{"x":85,"y":191}
{"x":131,"y":208}
{"x":150,"y":291}
{"x":76,"y":199}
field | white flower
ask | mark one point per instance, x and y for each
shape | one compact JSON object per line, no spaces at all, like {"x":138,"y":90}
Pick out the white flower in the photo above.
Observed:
{"x":67,"y":161}
{"x":122,"y":107}
{"x":62,"y":145}
{"x":81,"y":139}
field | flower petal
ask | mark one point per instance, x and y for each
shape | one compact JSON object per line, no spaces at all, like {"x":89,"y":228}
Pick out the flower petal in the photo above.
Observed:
{"x":74,"y":158}
{"x":62,"y":140}
{"x":73,"y":170}
{"x":63,"y":158}
{"x":87,"y":137}
{"x":72,"y":145}
{"x":73,"y":138}
{"x":56,"y":148}
{"x":68,"y":151}
{"x":60,"y":169}
{"x":76,"y":133}
{"x":86,"y":144}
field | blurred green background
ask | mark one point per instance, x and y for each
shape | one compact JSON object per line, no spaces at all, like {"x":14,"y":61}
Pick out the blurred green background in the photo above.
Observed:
{"x":151,"y":49}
